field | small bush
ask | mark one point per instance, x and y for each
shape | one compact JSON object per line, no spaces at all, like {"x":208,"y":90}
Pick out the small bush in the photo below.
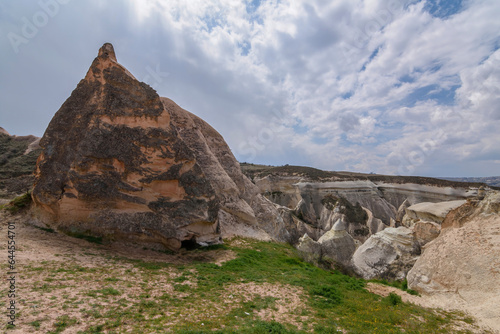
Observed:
{"x":19,"y":203}
{"x":393,"y":299}
{"x":329,"y":296}
{"x":45,"y":229}
{"x":273,"y":327}
{"x":412,"y":292}
{"x":87,"y":237}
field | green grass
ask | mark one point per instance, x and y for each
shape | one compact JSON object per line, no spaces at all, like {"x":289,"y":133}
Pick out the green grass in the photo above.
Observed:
{"x":125,"y":295}
{"x":62,"y":323}
{"x":18,"y":204}
{"x":87,"y":237}
{"x":45,"y":229}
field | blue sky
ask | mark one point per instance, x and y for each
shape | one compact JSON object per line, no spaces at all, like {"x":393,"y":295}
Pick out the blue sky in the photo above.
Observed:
{"x":388,"y":86}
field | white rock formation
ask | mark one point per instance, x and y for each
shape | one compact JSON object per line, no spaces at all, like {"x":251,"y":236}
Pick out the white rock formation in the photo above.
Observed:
{"x":309,"y":249}
{"x":374,"y":224}
{"x":431,"y":212}
{"x":401,"y":212}
{"x":388,"y":254}
{"x":337,"y":245}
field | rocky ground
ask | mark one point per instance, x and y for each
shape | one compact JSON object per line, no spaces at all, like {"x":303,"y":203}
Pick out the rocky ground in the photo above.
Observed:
{"x":70,"y":285}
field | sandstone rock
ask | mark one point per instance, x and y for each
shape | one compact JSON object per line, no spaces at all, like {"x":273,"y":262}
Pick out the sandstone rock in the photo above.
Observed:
{"x":33,"y":146}
{"x":389,"y":254}
{"x":464,"y":261}
{"x":457,"y":217}
{"x":3,"y":131}
{"x":401,"y":212}
{"x":490,"y":205}
{"x":120,"y":162}
{"x":425,"y":231}
{"x":374,"y":224}
{"x":280,"y":190}
{"x":432,"y":212}
{"x":337,"y":246}
{"x":309,"y":250}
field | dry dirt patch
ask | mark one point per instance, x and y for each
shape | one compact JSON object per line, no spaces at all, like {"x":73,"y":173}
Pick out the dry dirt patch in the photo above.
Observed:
{"x":288,"y":300}
{"x":65,"y":279}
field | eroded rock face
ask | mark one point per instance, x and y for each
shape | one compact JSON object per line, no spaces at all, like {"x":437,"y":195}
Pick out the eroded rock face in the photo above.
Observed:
{"x":389,"y":254}
{"x":333,"y":250}
{"x":337,"y":246}
{"x":430,"y":212}
{"x":309,"y":249}
{"x":121,"y":162}
{"x":464,"y":261}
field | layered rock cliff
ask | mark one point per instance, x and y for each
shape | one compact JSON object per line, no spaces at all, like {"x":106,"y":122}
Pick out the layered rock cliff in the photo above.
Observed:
{"x":306,"y":190}
{"x":120,"y":162}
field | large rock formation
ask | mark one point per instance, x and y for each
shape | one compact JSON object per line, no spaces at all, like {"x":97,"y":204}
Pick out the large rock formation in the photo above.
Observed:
{"x":120,"y":162}
{"x":389,"y":254}
{"x":334,"y":249}
{"x":463,"y":263}
{"x":303,"y":189}
{"x":425,"y":218}
{"x":431,"y":212}
{"x":337,"y":246}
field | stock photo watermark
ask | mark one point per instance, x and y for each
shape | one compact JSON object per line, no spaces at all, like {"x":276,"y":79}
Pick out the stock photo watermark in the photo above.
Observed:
{"x":417,"y":157}
{"x":363,"y":34}
{"x":266,"y":135}
{"x":31,"y":25}
{"x":155,"y":77}
{"x":11,"y":274}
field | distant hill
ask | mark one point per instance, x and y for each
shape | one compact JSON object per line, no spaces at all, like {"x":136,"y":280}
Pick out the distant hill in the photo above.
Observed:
{"x":493,"y":181}
{"x":254,"y":170}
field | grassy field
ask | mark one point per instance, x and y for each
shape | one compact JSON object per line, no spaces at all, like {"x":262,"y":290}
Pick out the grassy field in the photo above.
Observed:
{"x":69,"y":285}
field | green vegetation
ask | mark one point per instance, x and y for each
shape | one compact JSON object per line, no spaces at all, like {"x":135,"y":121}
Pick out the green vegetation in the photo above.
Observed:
{"x":18,"y":204}
{"x":85,"y":236}
{"x":393,"y":299}
{"x":45,"y":229}
{"x":265,"y":288}
{"x":62,"y":323}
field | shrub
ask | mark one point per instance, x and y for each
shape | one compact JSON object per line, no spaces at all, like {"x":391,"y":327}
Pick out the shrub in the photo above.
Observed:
{"x":393,"y":299}
{"x":19,"y":203}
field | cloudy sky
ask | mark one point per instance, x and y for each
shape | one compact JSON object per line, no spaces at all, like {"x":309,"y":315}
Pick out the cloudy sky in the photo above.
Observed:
{"x":388,"y":86}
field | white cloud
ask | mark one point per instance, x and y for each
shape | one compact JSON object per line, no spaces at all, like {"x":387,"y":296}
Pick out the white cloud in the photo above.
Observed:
{"x":374,"y":85}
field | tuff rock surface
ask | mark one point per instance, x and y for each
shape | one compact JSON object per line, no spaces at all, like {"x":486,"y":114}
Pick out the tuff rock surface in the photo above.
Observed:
{"x":463,"y":262}
{"x":430,"y":212}
{"x":337,"y":246}
{"x":333,"y":249}
{"x":120,"y":162}
{"x":389,"y":254}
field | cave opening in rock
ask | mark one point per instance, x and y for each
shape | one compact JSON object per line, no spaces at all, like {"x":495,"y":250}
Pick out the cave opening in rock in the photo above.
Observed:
{"x":190,"y":244}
